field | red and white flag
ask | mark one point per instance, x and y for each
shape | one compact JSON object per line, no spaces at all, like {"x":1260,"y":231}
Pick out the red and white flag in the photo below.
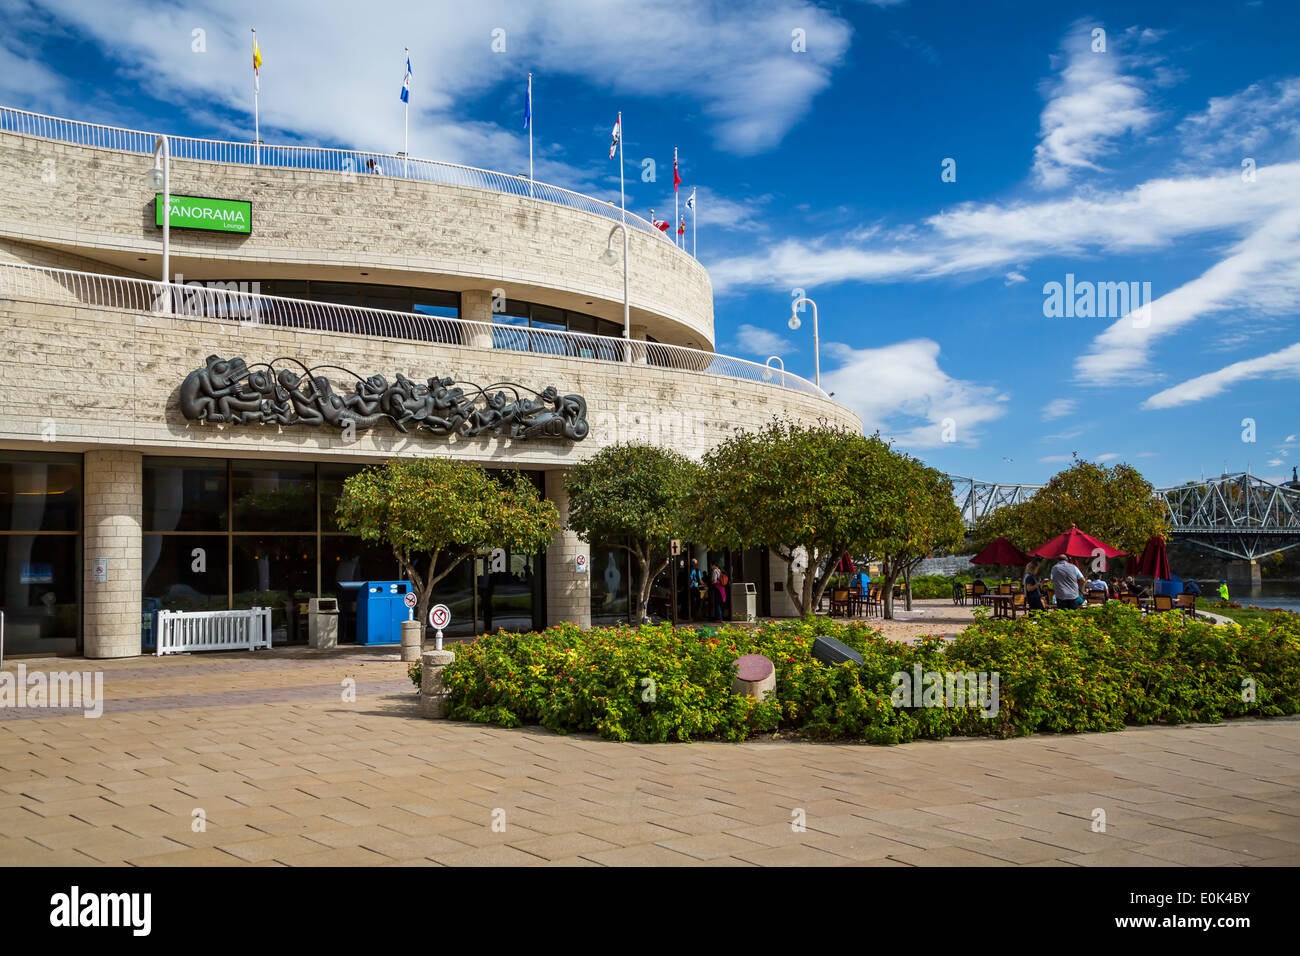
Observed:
{"x":658,"y":223}
{"x":616,"y":136}
{"x":677,"y":180}
{"x":681,"y":227}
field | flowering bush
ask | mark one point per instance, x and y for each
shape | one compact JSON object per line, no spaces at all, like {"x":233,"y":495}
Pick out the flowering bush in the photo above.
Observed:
{"x":1059,"y":672}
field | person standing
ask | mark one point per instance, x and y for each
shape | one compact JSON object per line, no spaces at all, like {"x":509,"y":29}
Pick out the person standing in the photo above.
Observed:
{"x":1065,"y":583}
{"x":1223,"y":592}
{"x":718,"y":586}
{"x":1033,"y":588}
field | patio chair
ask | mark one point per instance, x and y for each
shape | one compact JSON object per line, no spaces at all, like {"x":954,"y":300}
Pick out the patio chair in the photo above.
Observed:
{"x":1096,"y":597}
{"x":840,"y":603}
{"x":1187,"y":604}
{"x":977,"y":592}
{"x":875,"y":602}
{"x":1004,"y":588}
{"x":1162,"y":602}
{"x":1018,"y":605}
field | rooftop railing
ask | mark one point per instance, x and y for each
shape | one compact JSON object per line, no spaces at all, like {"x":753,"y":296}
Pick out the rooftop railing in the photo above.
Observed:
{"x":216,"y":302}
{"x":345,"y":162}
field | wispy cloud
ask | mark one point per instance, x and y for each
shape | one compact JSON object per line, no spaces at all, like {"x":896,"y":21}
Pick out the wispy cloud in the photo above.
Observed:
{"x":1059,"y":408}
{"x":758,"y":341}
{"x":1283,"y":364}
{"x":1091,"y":103}
{"x":902,"y":391}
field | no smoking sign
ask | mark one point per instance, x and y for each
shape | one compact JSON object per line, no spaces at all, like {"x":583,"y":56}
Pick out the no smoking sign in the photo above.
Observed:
{"x":439,"y":616}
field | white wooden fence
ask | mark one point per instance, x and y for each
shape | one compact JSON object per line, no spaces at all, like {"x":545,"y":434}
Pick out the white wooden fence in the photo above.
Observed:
{"x":181,"y":631}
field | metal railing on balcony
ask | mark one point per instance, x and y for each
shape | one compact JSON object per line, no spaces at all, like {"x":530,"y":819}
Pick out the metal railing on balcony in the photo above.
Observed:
{"x":212,"y":301}
{"x":345,"y":162}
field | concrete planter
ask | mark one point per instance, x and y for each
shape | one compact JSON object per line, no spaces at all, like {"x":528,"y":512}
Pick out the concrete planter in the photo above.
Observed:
{"x":433,"y":691}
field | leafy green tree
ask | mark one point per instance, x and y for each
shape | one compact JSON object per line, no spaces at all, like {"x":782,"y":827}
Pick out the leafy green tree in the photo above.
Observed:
{"x":436,"y":512}
{"x":809,"y":494}
{"x":922,"y":519}
{"x":1116,"y":505}
{"x":635,"y":496}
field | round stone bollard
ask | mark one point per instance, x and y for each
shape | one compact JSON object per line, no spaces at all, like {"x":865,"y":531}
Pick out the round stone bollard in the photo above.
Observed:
{"x":755,"y":677}
{"x":433,"y":691}
{"x":412,"y":640}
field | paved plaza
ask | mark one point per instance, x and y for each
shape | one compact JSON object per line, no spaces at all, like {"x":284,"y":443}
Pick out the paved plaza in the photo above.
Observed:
{"x":265,"y":750}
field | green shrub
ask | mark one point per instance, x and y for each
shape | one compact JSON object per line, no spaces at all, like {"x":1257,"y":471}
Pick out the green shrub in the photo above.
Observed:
{"x":1059,"y":672}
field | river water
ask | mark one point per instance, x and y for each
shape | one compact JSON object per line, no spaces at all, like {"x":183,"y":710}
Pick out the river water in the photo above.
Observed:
{"x":1283,"y":594}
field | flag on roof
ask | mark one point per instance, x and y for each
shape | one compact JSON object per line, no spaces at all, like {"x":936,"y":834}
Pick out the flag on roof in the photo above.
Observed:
{"x":681,"y":227}
{"x":659,"y":224}
{"x":528,"y":103}
{"x":690,"y":200}
{"x":616,"y":136}
{"x":406,"y":82}
{"x":257,"y":64}
{"x":677,"y":179}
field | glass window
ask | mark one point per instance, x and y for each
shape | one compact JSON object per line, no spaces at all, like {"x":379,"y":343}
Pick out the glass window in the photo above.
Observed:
{"x":609,"y":583}
{"x":184,"y":494}
{"x":432,"y":302}
{"x":344,"y":558}
{"x":340,"y":293}
{"x":184,"y":572}
{"x":393,"y":298}
{"x":274,"y":496}
{"x":331,"y":486}
{"x":279,"y":572}
{"x":40,"y":492}
{"x":39,"y":589}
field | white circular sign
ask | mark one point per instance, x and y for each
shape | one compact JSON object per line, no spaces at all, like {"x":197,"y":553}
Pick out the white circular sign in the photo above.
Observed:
{"x":580,"y":563}
{"x":439,"y":616}
{"x":410,"y":599}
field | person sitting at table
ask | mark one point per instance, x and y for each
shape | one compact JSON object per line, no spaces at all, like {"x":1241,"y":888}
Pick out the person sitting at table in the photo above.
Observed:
{"x":980,"y":581}
{"x":1132,"y":588}
{"x":1033,"y":588}
{"x":1115,"y":589}
{"x":1096,"y":585}
{"x":1191,"y":587}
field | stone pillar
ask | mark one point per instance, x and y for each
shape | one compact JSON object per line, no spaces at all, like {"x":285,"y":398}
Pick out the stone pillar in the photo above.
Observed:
{"x":433,"y":688}
{"x":568,"y":592}
{"x":476,"y":306}
{"x":111,"y":609}
{"x":639,"y":352}
{"x":1242,"y":574}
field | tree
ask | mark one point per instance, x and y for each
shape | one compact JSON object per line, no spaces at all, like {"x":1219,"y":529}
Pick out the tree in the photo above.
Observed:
{"x":638,"y":496}
{"x":436,"y":512}
{"x":795,"y":489}
{"x":1116,"y":505}
{"x":922,"y":519}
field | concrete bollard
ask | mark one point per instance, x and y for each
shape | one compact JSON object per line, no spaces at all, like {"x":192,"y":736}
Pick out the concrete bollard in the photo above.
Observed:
{"x":433,"y":691}
{"x":755,"y":677}
{"x":412,"y":640}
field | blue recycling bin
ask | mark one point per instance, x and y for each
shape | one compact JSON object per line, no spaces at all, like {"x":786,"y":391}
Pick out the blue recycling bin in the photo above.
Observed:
{"x":381,"y":609}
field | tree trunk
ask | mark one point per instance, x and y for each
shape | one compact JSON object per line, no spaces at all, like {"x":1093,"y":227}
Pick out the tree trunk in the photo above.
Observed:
{"x":907,"y":588}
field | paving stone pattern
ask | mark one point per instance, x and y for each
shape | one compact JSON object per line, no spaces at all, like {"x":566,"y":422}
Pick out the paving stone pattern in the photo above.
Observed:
{"x":288,"y":773}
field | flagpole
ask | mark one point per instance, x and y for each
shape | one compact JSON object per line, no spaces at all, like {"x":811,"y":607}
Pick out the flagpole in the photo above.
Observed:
{"x":677,"y":213}
{"x":622,"y":197}
{"x":257,"y":121}
{"x":406,"y":124}
{"x":695,"y":200}
{"x":530,"y":134}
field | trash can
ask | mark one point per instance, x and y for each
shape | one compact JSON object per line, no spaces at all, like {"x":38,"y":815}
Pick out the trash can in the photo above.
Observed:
{"x":381,"y":609}
{"x":323,"y":622}
{"x":744,"y":601}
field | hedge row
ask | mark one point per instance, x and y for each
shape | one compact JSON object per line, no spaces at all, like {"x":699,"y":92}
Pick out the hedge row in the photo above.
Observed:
{"x":1058,"y":672}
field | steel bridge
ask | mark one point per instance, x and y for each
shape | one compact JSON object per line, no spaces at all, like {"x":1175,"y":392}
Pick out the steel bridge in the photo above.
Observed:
{"x":1238,"y":516}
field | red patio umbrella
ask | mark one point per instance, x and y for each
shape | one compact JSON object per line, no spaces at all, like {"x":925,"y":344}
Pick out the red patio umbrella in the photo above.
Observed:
{"x":1000,"y":551}
{"x":1075,"y":544}
{"x":1155,"y":559}
{"x":846,"y":564}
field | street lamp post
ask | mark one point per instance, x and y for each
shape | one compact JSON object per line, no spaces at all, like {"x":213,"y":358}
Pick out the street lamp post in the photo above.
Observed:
{"x":794,"y":324}
{"x":609,"y":257}
{"x":767,"y":373}
{"x":159,"y":179}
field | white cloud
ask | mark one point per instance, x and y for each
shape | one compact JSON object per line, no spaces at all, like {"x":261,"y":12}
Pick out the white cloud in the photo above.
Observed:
{"x":1091,"y":103}
{"x":1283,"y":364}
{"x":758,"y":341}
{"x":332,"y":70}
{"x":1108,"y":456}
{"x":1014,"y":278}
{"x":901,"y":390}
{"x":1055,"y":459}
{"x":1059,"y":408}
{"x":1232,"y":128}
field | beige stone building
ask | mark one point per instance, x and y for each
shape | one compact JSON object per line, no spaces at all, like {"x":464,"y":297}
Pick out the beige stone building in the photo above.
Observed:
{"x":143,"y":469}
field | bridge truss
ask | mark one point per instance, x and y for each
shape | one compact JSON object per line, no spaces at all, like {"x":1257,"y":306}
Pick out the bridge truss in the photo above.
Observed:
{"x":975,"y":498}
{"x":1236,"y":516}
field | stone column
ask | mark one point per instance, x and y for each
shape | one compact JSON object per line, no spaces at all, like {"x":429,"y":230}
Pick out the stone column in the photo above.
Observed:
{"x":640,"y":351}
{"x":476,"y":306}
{"x":111,"y":609}
{"x":568,"y":593}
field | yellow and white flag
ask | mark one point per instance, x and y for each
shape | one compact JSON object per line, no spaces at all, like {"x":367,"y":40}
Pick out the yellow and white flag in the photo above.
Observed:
{"x":257,"y":63}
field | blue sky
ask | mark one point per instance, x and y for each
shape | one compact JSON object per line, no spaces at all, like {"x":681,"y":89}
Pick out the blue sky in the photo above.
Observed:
{"x":821,"y":169}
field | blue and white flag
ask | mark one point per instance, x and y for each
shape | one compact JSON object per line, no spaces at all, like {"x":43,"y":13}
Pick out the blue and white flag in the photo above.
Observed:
{"x":406,"y":83}
{"x":528,"y":104}
{"x":690,"y":200}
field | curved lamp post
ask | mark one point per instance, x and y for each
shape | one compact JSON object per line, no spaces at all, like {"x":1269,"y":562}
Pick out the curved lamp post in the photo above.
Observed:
{"x":610,"y":258}
{"x":767,"y":374}
{"x":159,"y":179}
{"x":794,"y":324}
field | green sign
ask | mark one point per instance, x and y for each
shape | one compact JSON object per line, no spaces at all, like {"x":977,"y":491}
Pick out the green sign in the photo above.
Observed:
{"x":214,"y":215}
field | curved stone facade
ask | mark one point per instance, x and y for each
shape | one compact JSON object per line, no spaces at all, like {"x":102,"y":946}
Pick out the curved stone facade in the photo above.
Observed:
{"x":93,"y":203}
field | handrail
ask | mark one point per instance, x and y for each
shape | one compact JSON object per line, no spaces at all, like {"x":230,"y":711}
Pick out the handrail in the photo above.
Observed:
{"x":214,"y":301}
{"x":346,"y":162}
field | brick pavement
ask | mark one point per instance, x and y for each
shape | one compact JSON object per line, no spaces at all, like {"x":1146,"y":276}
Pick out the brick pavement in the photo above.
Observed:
{"x":286,"y":772}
